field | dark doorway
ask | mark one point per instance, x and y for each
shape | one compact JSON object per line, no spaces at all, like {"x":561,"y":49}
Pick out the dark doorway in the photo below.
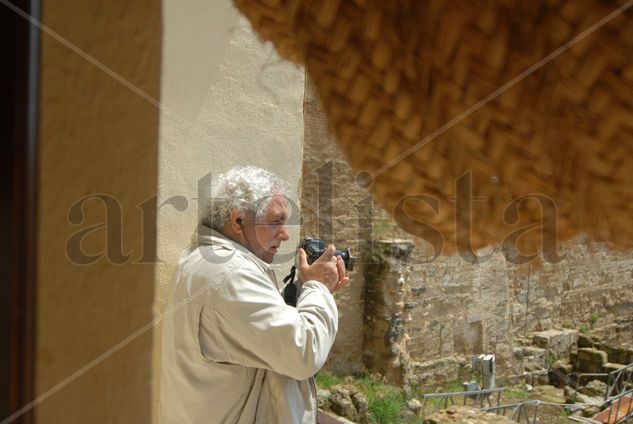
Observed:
{"x":18,"y":191}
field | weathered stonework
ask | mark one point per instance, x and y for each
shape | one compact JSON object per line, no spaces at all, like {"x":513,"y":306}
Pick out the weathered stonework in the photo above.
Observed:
{"x":335,"y":208}
{"x":385,"y":338}
{"x":446,"y":308}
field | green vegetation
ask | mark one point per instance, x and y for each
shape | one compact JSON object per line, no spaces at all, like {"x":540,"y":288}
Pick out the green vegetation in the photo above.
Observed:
{"x":386,"y":403}
{"x":550,"y":358}
{"x":456,"y":385}
{"x":516,"y":395}
{"x":413,"y":385}
{"x":593,"y":319}
{"x":372,"y":255}
{"x":382,"y":228}
{"x":386,"y":408}
{"x":325,"y":380}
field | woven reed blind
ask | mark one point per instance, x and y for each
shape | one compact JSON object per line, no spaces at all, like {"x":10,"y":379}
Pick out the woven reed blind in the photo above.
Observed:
{"x":491,"y":104}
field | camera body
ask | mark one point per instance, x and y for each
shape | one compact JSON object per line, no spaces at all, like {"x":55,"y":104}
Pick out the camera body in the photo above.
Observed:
{"x":315,"y":247}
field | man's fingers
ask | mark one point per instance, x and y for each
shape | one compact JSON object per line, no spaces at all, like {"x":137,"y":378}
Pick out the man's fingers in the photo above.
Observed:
{"x":327,"y":254}
{"x":340,"y":265}
{"x":303,"y":260}
{"x":342,"y":283}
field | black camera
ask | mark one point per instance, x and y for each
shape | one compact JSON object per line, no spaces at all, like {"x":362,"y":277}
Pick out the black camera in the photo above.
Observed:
{"x":315,"y":247}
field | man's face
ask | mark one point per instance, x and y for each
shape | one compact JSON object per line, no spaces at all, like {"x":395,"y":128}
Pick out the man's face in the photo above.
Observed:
{"x":265,"y":236}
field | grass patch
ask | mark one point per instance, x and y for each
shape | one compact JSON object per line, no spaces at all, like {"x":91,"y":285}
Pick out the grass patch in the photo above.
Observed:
{"x":385,"y":402}
{"x":386,"y":409}
{"x":515,"y":394}
{"x":456,"y":385}
{"x":325,"y":380}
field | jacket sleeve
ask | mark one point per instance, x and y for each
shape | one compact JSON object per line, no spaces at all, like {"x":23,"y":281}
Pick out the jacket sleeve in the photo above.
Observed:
{"x":250,"y":325}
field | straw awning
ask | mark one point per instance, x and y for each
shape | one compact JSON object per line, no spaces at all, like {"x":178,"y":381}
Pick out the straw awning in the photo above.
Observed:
{"x":518,"y":112}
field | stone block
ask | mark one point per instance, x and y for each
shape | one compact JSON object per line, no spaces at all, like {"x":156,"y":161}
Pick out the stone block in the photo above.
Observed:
{"x":437,"y":372}
{"x":534,"y":352}
{"x":563,"y":366}
{"x":595,"y":388}
{"x":414,"y":406}
{"x":611,"y":366}
{"x":590,"y":411}
{"x":571,"y":396}
{"x":584,"y":341}
{"x":362,"y":407}
{"x":517,"y":352}
{"x":559,"y":372}
{"x":323,"y":397}
{"x":590,"y":359}
{"x":466,"y":414}
{"x":531,"y":366}
{"x":596,"y":338}
{"x":549,"y":393}
{"x":617,"y":354}
{"x":556,"y":341}
{"x":541,"y":379}
{"x":342,"y":405}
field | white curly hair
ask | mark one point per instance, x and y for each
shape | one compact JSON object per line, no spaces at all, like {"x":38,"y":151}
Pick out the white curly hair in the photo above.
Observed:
{"x":246,"y":188}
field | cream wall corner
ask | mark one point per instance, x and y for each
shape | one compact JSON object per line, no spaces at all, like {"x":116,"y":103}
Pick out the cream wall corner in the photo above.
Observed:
{"x":228,"y":99}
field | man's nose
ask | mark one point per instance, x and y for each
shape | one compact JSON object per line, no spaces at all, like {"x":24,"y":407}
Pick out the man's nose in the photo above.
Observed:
{"x":283,"y":233}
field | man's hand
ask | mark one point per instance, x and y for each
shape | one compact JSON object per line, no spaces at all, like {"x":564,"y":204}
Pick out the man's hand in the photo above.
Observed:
{"x":328,"y":269}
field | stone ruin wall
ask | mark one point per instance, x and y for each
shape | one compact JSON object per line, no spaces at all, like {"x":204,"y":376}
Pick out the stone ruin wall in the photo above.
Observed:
{"x":406,"y":317}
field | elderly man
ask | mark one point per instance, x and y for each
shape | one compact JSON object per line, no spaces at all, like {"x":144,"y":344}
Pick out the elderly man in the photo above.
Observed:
{"x":233,"y":351}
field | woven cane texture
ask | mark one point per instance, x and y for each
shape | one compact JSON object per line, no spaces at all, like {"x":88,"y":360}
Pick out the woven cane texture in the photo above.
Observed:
{"x":402,"y":83}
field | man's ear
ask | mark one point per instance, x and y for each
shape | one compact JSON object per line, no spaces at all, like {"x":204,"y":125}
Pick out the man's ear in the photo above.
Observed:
{"x":237,"y":221}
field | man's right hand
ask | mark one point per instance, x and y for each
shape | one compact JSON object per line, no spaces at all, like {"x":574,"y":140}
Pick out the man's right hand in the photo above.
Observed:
{"x":328,"y":269}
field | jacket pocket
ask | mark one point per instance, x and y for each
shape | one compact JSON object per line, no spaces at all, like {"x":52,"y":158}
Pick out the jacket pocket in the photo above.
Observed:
{"x":198,"y":320}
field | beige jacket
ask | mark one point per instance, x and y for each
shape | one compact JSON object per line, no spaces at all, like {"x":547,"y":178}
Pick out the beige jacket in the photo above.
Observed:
{"x":233,"y":351}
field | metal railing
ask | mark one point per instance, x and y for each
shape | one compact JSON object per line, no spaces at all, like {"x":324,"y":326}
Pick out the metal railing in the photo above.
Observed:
{"x":518,"y":411}
{"x":478,"y":397}
{"x":619,"y":413}
{"x":619,"y":382}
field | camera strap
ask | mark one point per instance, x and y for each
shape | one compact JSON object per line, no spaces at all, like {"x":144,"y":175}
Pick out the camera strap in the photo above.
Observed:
{"x":290,"y":289}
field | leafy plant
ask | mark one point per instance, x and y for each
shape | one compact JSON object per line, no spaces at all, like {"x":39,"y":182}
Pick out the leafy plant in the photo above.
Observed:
{"x":413,"y":386}
{"x":584,"y":328}
{"x":593,"y":319}
{"x":372,"y":255}
{"x":386,"y":409}
{"x":385,"y":402}
{"x":550,"y":358}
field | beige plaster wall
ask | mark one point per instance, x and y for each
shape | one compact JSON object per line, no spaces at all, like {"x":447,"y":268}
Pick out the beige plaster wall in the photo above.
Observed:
{"x":228,"y":99}
{"x":96,"y":136}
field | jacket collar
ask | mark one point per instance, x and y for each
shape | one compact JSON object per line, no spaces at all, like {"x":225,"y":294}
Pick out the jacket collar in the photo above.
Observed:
{"x":206,"y":235}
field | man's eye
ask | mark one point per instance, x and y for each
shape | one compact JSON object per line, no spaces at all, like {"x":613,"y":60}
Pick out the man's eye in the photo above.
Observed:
{"x":272,"y":224}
